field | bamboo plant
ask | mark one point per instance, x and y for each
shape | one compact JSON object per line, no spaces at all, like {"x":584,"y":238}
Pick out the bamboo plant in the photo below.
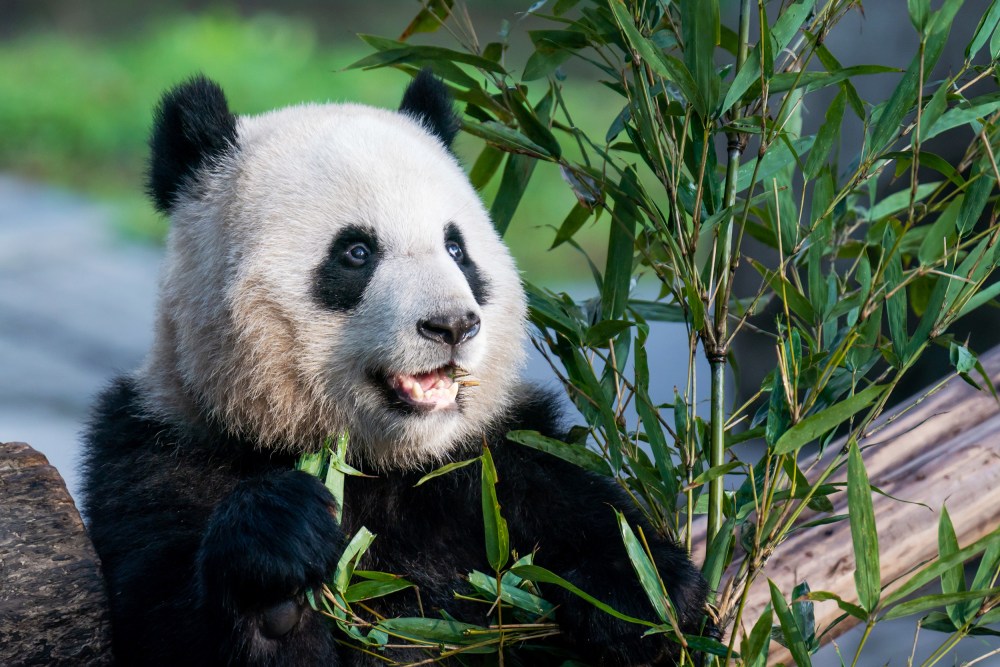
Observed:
{"x":864,"y":256}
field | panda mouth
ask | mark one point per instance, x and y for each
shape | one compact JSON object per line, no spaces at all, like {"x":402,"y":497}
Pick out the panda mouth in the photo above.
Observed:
{"x":432,"y":391}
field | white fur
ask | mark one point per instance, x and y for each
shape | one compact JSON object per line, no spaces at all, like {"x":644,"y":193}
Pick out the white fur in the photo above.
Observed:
{"x":240,"y":336}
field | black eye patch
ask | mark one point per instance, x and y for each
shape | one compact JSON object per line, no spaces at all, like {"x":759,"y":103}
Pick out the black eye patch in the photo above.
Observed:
{"x":342,"y":277}
{"x":477,"y":283}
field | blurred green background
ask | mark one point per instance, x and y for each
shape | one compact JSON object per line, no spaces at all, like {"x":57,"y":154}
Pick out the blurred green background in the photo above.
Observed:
{"x":79,"y":80}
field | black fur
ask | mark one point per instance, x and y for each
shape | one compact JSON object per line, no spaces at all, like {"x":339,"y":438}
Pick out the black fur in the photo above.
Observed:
{"x":427,"y":99}
{"x":479,"y":285}
{"x":340,"y":281}
{"x":191,"y":127}
{"x":206,"y":538}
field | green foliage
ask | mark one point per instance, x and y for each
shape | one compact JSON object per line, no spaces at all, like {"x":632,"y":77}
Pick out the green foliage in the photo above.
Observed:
{"x":858,"y":281}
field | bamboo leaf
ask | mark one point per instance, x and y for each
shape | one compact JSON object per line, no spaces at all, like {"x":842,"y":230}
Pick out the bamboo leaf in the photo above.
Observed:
{"x":901,"y":102}
{"x":497,"y":540}
{"x":828,"y":133}
{"x":987,"y":26}
{"x":895,"y":304}
{"x":755,"y":647}
{"x":445,"y":469}
{"x":420,"y":55}
{"x":367,"y":590}
{"x":790,"y":631}
{"x":541,"y":575}
{"x":485,"y":166}
{"x":575,"y":454}
{"x":819,"y":423}
{"x":349,"y":559}
{"x":953,"y":580}
{"x":928,"y":602}
{"x":512,"y":595}
{"x":436,"y":631}
{"x":851,"y":609}
{"x":646,"y":571}
{"x":867,"y":577}
{"x":700,"y":31}
{"x":429,"y":19}
{"x":516,"y":174}
{"x":663,"y":65}
{"x":786,"y":291}
{"x":978,"y":109}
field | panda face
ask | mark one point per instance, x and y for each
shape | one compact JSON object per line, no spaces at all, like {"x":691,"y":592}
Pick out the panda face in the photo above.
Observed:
{"x":334,"y":269}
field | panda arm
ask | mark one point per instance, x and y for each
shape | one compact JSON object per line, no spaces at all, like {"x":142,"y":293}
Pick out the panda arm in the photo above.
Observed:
{"x":197,"y":572}
{"x":567,"y":514}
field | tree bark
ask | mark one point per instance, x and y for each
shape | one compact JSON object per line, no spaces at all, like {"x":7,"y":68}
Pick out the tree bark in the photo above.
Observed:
{"x":53,"y":606}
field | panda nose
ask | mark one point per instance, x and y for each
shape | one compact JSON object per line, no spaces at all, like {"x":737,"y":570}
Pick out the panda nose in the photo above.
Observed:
{"x":450,"y":330}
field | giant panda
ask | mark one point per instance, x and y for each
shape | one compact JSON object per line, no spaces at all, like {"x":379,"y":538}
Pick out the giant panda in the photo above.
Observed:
{"x":328,"y":268}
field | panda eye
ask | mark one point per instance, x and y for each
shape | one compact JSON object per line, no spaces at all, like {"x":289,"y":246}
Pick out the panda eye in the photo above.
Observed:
{"x":357,"y":254}
{"x":454,"y":250}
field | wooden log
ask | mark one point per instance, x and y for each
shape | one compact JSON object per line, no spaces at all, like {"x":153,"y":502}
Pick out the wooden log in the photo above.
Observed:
{"x":53,"y":606}
{"x":944,"y":450}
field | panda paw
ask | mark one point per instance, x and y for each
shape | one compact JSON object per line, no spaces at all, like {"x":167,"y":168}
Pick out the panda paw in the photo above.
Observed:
{"x":268,"y":543}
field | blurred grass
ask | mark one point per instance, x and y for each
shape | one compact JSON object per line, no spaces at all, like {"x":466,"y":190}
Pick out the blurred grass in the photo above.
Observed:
{"x":76,"y":112}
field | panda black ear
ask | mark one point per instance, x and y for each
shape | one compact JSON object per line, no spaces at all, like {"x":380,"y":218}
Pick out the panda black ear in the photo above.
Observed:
{"x":192,"y":125}
{"x":427,"y":99}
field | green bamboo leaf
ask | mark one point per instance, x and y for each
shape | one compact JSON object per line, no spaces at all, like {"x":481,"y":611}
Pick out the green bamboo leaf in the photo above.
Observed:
{"x":790,"y":631}
{"x":436,"y":631}
{"x":953,"y":580}
{"x":755,"y":647}
{"x":485,"y":166}
{"x":714,"y":473}
{"x":898,"y":201}
{"x":663,"y":65}
{"x":719,"y":554}
{"x":847,"y":607}
{"x":648,"y":417}
{"x":429,"y":19}
{"x":928,"y":602}
{"x":776,"y":159}
{"x":656,"y":311}
{"x":541,"y":575}
{"x":367,"y":590}
{"x":604,"y":331}
{"x":786,"y":291}
{"x":349,"y":559}
{"x":700,"y":31}
{"x":919,"y":11}
{"x":867,"y":573}
{"x":621,"y":246}
{"x":552,"y":49}
{"x":819,"y":423}
{"x":445,"y":469}
{"x":828,"y":133}
{"x":575,"y":454}
{"x":578,"y":215}
{"x":987,"y":26}
{"x":516,"y":174}
{"x":932,"y":112}
{"x":779,"y":36}
{"x":649,"y":577}
{"x":978,"y":109}
{"x":512,"y":595}
{"x":887,"y":125}
{"x":895,"y":305}
{"x":988,"y":565}
{"x":419,"y":55}
{"x":505,"y":138}
{"x":497,"y":539}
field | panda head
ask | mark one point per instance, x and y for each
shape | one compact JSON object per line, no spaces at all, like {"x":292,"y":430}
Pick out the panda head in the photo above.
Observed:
{"x":329,"y":268}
